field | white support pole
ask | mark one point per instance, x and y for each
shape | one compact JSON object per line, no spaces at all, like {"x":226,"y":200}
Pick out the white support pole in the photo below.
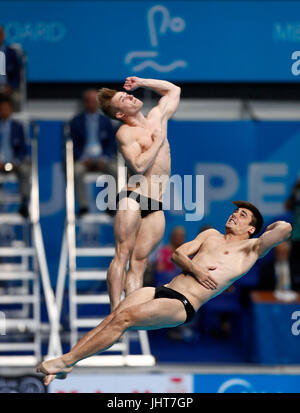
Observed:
{"x":71,"y":236}
{"x":62,"y":272}
{"x":54,"y":347}
{"x":143,"y":336}
{"x":122,"y":178}
{"x":70,"y":203}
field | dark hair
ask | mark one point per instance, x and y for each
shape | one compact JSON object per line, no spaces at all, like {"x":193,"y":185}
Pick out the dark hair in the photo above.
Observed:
{"x":257,"y":219}
{"x":104,"y":98}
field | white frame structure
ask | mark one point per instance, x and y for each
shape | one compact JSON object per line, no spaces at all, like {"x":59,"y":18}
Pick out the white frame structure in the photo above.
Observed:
{"x":40,"y":273}
{"x":68,"y":257}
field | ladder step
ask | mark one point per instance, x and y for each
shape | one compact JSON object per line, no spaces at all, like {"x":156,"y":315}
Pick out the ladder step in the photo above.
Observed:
{"x":20,"y":322}
{"x":116,"y":360}
{"x":95,"y":252}
{"x":95,"y":219}
{"x":15,"y":252}
{"x":12,"y":218}
{"x":91,"y":299}
{"x":18,"y":275}
{"x":118,"y":347}
{"x":16,"y":299}
{"x":86,"y":322}
{"x":17,"y":346}
{"x":89,"y":275}
{"x":18,"y":361}
{"x":9,"y":267}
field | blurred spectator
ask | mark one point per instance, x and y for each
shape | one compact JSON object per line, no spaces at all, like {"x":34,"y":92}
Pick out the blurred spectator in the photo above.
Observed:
{"x":165,"y":269}
{"x":94,"y":146}
{"x":10,"y":83}
{"x":293,"y":204}
{"x":276,"y":274}
{"x":13,"y":152}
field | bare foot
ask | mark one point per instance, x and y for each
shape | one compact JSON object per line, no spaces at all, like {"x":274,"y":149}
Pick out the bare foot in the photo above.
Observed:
{"x":54,"y":367}
{"x":50,"y":377}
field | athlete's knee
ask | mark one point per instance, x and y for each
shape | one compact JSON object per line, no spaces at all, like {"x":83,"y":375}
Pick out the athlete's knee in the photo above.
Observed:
{"x":122,"y":252}
{"x":138,"y":264}
{"x":124,"y":318}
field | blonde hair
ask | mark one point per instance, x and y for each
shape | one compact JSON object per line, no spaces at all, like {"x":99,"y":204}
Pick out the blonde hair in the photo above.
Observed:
{"x":104,"y":97}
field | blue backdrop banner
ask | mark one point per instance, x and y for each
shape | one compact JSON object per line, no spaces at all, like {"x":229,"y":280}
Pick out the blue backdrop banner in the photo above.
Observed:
{"x":246,"y":383}
{"x":255,"y":161}
{"x":178,"y":40}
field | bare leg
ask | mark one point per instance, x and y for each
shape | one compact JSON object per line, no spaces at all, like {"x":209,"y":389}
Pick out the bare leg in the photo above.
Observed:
{"x":151,"y":314}
{"x":137,"y":298}
{"x":149,"y":235}
{"x":126,"y":226}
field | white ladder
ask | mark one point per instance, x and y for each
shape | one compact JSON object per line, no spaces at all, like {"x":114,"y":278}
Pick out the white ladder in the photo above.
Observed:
{"x":24,"y":321}
{"x":33,"y":266}
{"x":69,"y":254}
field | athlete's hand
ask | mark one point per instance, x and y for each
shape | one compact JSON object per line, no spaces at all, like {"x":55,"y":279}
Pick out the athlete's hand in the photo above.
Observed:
{"x":206,"y":279}
{"x":132,"y":83}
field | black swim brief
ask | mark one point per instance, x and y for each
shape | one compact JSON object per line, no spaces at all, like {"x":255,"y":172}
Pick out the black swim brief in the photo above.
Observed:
{"x":165,"y":292}
{"x":147,"y":205}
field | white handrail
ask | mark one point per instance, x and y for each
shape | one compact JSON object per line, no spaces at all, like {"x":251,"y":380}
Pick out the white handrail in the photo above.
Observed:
{"x":121,"y":172}
{"x":70,"y":204}
{"x":62,"y":272}
{"x":54,"y":346}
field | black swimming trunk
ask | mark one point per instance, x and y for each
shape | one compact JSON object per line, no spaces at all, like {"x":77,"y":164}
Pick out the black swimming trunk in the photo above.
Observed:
{"x":165,"y":292}
{"x":147,"y":205}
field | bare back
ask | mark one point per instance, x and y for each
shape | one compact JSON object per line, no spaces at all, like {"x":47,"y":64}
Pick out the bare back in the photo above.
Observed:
{"x":158,"y":173}
{"x":232,"y":259}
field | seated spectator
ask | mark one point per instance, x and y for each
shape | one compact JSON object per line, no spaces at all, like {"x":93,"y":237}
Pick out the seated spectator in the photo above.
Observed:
{"x":276,"y":274}
{"x":165,"y":269}
{"x":10,"y":83}
{"x":13,"y":152}
{"x":94,"y":146}
{"x":293,"y":204}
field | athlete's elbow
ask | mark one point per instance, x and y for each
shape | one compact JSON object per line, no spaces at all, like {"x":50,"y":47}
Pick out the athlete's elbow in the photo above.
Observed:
{"x":287,"y":229}
{"x":177,"y":90}
{"x":139,"y":168}
{"x":174,"y":91}
{"x":175,"y":256}
{"x":284,"y":230}
{"x":178,"y":256}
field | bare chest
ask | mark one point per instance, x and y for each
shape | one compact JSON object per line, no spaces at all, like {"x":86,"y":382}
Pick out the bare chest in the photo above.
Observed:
{"x":232,"y":255}
{"x":143,"y":136}
{"x":144,"y":140}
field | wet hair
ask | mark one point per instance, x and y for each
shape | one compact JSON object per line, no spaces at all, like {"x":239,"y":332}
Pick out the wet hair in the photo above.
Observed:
{"x":257,"y":219}
{"x":104,"y":98}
